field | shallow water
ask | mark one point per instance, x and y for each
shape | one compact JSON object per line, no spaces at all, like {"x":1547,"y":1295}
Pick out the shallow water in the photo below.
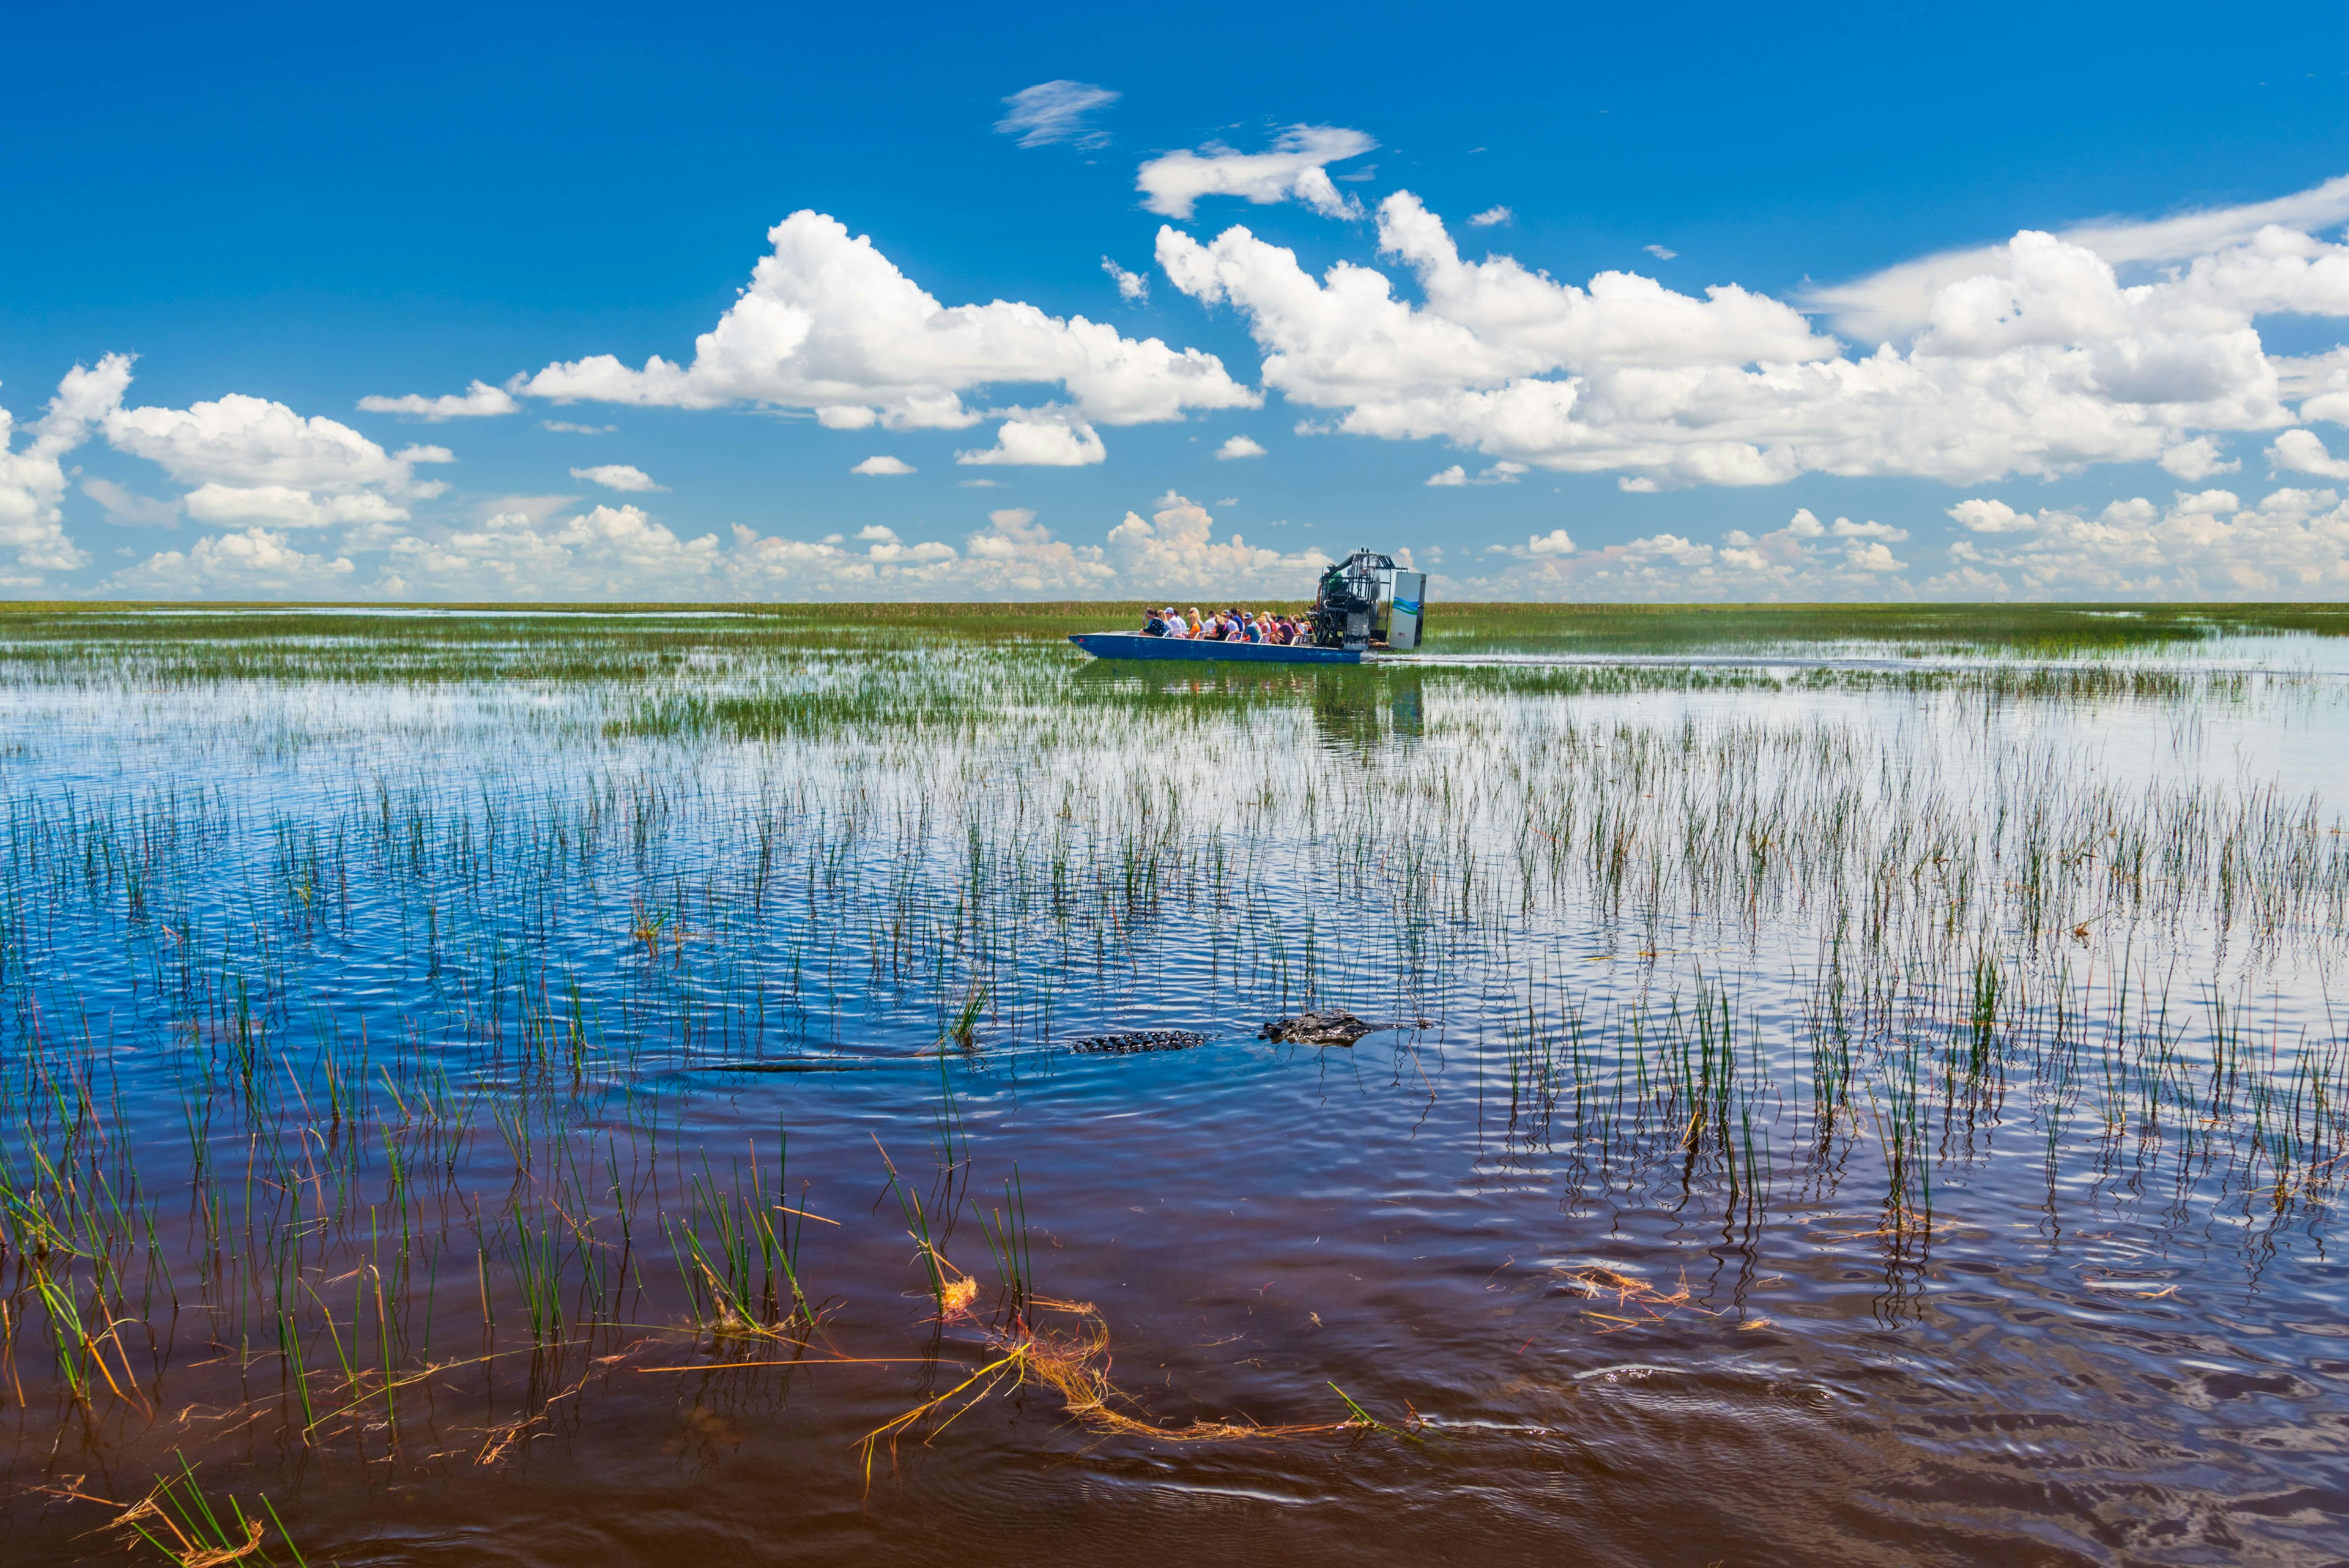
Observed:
{"x":1828,"y":1120}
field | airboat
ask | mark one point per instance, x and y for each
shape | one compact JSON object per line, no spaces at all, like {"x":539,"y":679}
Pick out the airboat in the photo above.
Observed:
{"x":1366,"y":605}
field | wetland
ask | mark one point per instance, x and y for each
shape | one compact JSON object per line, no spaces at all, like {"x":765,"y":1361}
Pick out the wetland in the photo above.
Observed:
{"x":1853,"y":1085}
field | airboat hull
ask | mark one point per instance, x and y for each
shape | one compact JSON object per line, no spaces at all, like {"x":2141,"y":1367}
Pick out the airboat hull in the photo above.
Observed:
{"x":1134,"y":645}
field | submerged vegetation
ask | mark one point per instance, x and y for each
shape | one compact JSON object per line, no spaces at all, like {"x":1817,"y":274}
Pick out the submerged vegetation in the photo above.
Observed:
{"x":365,"y":986}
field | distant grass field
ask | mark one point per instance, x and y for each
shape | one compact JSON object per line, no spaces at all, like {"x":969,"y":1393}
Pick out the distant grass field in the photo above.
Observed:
{"x":2036,"y":629}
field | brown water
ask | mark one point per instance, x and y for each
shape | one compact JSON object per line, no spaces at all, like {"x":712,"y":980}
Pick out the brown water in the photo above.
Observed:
{"x":1828,"y":1124}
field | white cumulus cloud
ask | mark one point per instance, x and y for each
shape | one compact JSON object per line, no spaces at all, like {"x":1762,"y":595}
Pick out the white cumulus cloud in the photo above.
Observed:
{"x":1130,"y":285}
{"x":607,"y":552}
{"x":2195,"y":458}
{"x":1556,"y":542}
{"x":1041,"y":442}
{"x":2048,"y":366}
{"x":33,"y":479}
{"x":1174,"y":551}
{"x":2319,"y":383}
{"x":1013,"y":556}
{"x":882,"y":546}
{"x":1845,"y":528}
{"x":618,"y":476}
{"x":2302,"y":451}
{"x":1296,"y":167}
{"x":1239,"y":446}
{"x":883,"y":465}
{"x":479,"y":400}
{"x":1502,"y":473}
{"x":257,"y":462}
{"x":252,"y":564}
{"x":2291,"y":544}
{"x":1803,"y":559}
{"x":1984,"y":515}
{"x":1901,"y":299}
{"x":2209,"y":503}
{"x":285,"y":506}
{"x":535,"y":548}
{"x":1489,"y":217}
{"x":829,"y":325}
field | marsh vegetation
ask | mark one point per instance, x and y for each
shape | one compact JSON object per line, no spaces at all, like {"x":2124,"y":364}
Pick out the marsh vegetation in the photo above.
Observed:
{"x":574,"y":1073}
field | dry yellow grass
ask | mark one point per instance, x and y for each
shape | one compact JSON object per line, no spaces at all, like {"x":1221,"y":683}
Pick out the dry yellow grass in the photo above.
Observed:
{"x":1032,"y":1346}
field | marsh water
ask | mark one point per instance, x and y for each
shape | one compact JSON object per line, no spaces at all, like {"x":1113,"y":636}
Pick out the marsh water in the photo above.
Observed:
{"x":610,"y":1089}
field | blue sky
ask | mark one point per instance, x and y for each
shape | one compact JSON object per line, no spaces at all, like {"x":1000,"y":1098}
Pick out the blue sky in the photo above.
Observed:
{"x":282,"y":213}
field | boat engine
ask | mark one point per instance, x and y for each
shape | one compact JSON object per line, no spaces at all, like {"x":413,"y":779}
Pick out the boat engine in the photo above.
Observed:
{"x":1347,"y":601}
{"x":1366,"y":599}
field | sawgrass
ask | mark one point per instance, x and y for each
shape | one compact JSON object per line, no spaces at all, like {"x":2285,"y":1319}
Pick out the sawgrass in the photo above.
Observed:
{"x":641,"y":642}
{"x":177,"y":1520}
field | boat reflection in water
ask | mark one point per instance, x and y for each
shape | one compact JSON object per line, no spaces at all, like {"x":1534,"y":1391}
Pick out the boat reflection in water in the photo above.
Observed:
{"x":1355,"y":709}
